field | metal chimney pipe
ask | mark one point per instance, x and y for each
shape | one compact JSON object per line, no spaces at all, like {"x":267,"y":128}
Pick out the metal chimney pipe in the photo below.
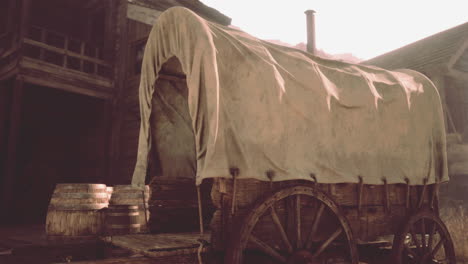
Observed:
{"x":310,"y":31}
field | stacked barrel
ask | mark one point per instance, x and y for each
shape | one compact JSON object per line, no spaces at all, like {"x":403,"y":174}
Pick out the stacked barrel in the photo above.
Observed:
{"x":86,"y":211}
{"x":75,"y":211}
{"x":131,"y":200}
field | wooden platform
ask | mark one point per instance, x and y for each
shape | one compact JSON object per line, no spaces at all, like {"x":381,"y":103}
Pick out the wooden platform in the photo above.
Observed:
{"x":28,"y":244}
{"x":159,"y":245}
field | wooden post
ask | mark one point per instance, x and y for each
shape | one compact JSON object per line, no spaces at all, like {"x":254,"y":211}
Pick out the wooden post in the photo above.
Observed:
{"x":11,"y":15}
{"x":11,"y":151}
{"x":234,"y":173}
{"x":200,"y":211}
{"x":118,"y":38}
{"x":15,"y":118}
{"x":423,"y":193}
{"x":386,"y":196}
{"x":25,"y":19}
{"x":435,"y":190}
{"x":107,"y":130}
{"x":96,"y":55}
{"x":408,"y":194}
{"x":360,"y":190}
{"x":10,"y":23}
{"x":65,"y":56}
{"x":82,"y":49}
{"x":270,"y":175}
{"x":43,"y":40}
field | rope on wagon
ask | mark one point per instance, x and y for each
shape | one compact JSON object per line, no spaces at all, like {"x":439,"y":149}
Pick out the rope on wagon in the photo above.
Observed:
{"x":234,"y":172}
{"x":270,"y":175}
{"x":201,"y":241}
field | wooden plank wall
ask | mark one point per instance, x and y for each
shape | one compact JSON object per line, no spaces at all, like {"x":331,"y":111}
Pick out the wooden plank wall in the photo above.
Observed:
{"x":457,"y":103}
{"x":130,"y":126}
{"x":461,"y":84}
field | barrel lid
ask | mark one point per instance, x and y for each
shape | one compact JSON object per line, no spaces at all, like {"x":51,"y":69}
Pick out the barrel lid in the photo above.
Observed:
{"x":78,"y":195}
{"x":77,"y":207}
{"x":80,"y":186}
{"x":123,"y":206}
{"x":123,"y":188}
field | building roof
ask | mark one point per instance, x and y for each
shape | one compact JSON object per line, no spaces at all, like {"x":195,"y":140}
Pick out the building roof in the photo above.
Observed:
{"x":434,"y":50}
{"x":194,"y":5}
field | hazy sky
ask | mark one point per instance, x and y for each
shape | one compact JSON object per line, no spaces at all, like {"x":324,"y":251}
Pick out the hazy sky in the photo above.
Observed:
{"x":365,"y":28}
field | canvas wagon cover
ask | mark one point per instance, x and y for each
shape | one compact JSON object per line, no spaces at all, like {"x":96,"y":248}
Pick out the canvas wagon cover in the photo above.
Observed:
{"x":258,"y":106}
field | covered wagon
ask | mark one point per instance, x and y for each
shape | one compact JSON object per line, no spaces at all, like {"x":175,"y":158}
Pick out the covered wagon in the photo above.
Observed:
{"x":309,"y":158}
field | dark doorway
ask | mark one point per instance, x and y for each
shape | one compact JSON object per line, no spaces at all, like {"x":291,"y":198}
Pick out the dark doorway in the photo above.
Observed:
{"x":62,"y":139}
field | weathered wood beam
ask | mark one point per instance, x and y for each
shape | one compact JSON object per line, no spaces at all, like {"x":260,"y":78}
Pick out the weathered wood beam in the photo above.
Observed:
{"x":119,"y":38}
{"x":81,"y":56}
{"x":51,"y":70}
{"x":133,"y":260}
{"x":11,"y":11}
{"x":66,"y":87}
{"x":15,"y":116}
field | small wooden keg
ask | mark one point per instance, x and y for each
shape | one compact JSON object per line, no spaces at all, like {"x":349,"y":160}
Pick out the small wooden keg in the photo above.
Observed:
{"x":133,"y":195}
{"x":122,"y":219}
{"x":75,"y":211}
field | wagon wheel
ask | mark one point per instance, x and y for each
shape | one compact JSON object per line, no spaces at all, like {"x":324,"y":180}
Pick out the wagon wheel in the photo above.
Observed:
{"x":294,"y":225}
{"x":424,"y":239}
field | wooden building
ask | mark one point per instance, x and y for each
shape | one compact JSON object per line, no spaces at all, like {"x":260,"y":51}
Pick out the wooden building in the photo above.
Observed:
{"x":443,"y":58}
{"x":69,"y":74}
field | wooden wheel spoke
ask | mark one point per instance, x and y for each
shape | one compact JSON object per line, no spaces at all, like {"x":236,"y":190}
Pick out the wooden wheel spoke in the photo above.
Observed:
{"x":433,"y":260}
{"x":441,"y":261}
{"x":437,"y":247}
{"x":298,"y":221}
{"x":267,"y":249}
{"x":315,"y":225}
{"x":422,"y":250}
{"x":415,"y":238}
{"x":412,"y":253}
{"x":295,"y":222}
{"x":280,"y":228}
{"x":328,"y":241}
{"x":423,"y":234}
{"x":431,"y":236}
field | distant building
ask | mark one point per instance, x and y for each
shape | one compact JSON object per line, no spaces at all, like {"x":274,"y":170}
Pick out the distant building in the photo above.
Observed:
{"x":442,"y":57}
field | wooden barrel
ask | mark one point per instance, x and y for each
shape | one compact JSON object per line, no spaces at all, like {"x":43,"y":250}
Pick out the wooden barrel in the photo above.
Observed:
{"x":122,"y":219}
{"x":109,"y":191}
{"x":134,"y":195}
{"x":75,"y":211}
